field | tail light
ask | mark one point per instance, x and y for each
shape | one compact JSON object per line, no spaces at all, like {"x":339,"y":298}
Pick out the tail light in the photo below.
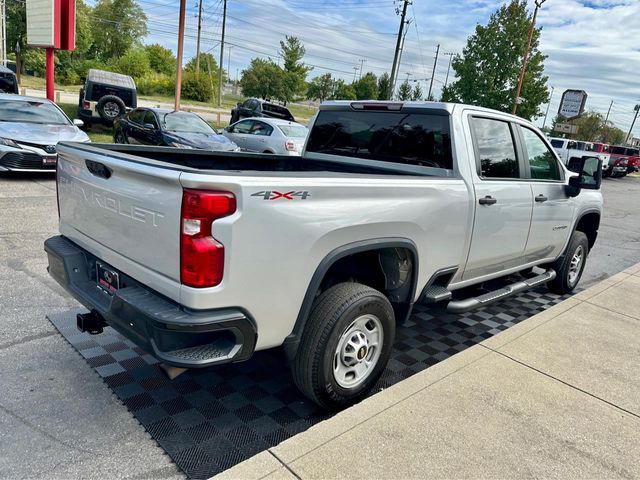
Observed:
{"x":290,"y":146}
{"x":86,"y":105}
{"x":201,"y":255}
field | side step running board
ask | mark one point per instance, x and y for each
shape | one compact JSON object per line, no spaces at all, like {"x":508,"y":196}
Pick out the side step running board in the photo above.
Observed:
{"x":461,"y":306}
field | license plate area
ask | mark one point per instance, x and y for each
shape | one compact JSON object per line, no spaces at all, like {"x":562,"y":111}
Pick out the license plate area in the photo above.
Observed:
{"x":107,"y":279}
{"x":49,"y":161}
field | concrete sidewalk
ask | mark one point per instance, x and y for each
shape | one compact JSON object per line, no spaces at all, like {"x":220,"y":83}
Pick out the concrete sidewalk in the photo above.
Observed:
{"x":557,"y":395}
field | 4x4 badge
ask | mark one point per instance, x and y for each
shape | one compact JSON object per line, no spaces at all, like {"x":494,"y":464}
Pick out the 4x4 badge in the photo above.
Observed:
{"x":273,"y":195}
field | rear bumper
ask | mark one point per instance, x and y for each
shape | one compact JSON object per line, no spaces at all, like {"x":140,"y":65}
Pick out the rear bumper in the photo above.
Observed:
{"x":175,"y":336}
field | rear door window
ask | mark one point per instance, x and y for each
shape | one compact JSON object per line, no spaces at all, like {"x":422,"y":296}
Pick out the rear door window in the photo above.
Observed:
{"x":262,"y":129}
{"x":495,"y":148}
{"x":557,"y":143}
{"x":420,"y":139}
{"x":542,"y":163}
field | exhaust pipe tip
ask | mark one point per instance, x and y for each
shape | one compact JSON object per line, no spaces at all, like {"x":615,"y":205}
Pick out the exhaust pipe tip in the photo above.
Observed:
{"x":91,"y":323}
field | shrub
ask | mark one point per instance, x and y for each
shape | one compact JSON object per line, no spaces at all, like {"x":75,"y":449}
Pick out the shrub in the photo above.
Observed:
{"x":156,"y":84}
{"x":197,"y":87}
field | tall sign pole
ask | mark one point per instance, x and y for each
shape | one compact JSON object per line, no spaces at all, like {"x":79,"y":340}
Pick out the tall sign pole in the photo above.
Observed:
{"x":224,"y":21}
{"x":525,"y":59}
{"x":544,"y":123}
{"x":179,"y":54}
{"x":629,"y":138}
{"x":395,"y":56}
{"x":199,"y":32}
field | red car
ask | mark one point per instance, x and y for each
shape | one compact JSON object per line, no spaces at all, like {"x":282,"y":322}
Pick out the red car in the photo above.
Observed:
{"x":618,"y":153}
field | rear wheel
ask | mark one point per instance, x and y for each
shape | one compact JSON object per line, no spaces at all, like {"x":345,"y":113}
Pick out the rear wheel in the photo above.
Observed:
{"x":346,"y":345}
{"x":570,"y":266}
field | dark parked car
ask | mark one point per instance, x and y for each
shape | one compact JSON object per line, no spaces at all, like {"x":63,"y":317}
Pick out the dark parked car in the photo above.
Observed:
{"x":8,"y":81}
{"x":154,"y":126}
{"x":106,"y":96}
{"x":254,"y":107}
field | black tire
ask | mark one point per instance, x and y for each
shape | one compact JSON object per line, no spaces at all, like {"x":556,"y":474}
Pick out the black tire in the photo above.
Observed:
{"x":119,"y":137}
{"x":606,"y":173}
{"x":110,"y":107}
{"x":565,"y":280}
{"x":333,"y":313}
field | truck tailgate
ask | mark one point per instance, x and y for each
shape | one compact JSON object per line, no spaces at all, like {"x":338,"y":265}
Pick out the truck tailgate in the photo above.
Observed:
{"x":123,"y":211}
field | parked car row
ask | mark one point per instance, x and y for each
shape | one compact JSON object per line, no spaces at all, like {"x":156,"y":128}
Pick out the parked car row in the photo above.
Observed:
{"x":617,"y":160}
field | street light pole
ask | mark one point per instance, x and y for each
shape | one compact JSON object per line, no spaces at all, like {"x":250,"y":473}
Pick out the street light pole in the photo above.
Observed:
{"x":547,"y":112}
{"x":224,"y":22}
{"x":433,"y":73}
{"x":179,"y":54}
{"x":526,"y":55}
{"x":446,"y":80}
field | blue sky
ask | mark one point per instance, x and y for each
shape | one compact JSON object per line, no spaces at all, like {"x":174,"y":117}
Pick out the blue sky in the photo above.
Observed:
{"x":592,"y":45}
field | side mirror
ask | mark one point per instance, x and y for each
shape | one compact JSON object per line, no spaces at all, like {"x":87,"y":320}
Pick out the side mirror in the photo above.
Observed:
{"x":78,"y":123}
{"x":149,"y":126}
{"x":590,"y":174}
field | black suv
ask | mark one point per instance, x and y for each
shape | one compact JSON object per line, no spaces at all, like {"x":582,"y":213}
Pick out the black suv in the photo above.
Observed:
{"x":106,"y":96}
{"x":8,"y":81}
{"x":254,"y":107}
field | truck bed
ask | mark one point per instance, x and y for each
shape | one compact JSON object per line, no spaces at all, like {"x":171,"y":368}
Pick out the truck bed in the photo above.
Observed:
{"x":236,"y":162}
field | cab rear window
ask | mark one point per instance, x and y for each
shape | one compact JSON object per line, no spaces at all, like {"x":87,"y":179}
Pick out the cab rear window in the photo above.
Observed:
{"x":419,"y":139}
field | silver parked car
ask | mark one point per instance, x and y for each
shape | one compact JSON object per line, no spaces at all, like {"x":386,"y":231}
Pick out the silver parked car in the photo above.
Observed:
{"x":30,"y":129}
{"x":268,"y":135}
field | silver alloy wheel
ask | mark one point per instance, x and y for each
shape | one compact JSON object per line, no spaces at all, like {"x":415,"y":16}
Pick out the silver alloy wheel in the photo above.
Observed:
{"x":358,"y":351}
{"x":575,"y":265}
{"x":111,"y":109}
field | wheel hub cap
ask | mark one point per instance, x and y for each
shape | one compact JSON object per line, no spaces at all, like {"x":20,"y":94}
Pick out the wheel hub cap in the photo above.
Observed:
{"x":575,"y":265}
{"x":358,"y":351}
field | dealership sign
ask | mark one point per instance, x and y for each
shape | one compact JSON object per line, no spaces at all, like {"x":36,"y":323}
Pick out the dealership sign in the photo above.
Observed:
{"x":572,"y":103}
{"x":51,"y":24}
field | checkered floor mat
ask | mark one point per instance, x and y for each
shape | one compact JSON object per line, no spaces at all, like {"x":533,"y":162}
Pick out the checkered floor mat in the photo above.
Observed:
{"x":209,"y":420}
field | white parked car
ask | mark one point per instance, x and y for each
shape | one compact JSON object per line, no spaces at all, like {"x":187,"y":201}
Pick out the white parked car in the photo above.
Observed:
{"x":567,"y":149}
{"x":30,"y":129}
{"x":268,"y":135}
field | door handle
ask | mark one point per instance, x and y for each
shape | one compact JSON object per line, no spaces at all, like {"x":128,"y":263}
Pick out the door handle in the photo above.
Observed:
{"x":541,"y":198}
{"x":488,"y":200}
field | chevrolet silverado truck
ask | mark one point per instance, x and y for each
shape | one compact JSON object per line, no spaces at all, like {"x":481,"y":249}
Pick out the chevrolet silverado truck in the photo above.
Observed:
{"x":203,"y":258}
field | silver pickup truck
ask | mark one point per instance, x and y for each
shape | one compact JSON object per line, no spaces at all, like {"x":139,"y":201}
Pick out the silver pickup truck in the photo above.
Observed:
{"x":202,"y":258}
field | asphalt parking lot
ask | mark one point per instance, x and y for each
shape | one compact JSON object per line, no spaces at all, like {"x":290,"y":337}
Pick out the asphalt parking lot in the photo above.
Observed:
{"x":57,"y":417}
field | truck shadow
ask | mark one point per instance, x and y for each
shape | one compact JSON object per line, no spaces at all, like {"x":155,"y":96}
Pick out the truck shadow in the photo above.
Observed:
{"x":209,"y":420}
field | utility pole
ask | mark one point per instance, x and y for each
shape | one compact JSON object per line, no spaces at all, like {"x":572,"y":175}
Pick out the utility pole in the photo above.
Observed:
{"x":526,"y":56}
{"x":355,"y":72}
{"x":199,"y":31}
{"x":224,"y":21}
{"x":362,"y":60}
{"x":451,"y":54}
{"x":404,"y":36}
{"x":548,"y":105}
{"x":229,"y":64}
{"x":629,"y":138}
{"x":433,"y":73}
{"x":179,"y":54}
{"x":608,"y":112}
{"x":397,"y":53}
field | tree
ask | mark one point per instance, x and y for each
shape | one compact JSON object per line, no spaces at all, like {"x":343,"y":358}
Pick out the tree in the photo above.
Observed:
{"x":16,"y":24}
{"x":592,"y":127}
{"x":294,"y":81}
{"x":321,"y":88}
{"x":417,"y":92}
{"x":488,"y":69}
{"x":135,"y":62}
{"x":121,"y":25}
{"x":343,"y":91}
{"x":384,"y":85}
{"x":263,"y":79}
{"x":206,"y":60}
{"x":366,"y":87}
{"x":404,"y":92}
{"x":161,"y":59}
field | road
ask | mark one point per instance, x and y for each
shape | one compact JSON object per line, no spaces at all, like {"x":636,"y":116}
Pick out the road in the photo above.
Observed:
{"x":57,"y":418}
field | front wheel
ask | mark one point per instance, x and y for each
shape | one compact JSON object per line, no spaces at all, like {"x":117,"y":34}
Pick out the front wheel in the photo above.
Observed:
{"x":570,"y":266}
{"x":119,"y":137}
{"x":346,"y":345}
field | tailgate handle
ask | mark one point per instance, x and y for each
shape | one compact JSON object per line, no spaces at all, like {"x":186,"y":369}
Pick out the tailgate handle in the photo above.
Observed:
{"x":98,"y":169}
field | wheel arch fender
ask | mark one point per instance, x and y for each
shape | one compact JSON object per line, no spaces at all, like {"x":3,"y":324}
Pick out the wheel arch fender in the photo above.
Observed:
{"x":381,"y":246}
